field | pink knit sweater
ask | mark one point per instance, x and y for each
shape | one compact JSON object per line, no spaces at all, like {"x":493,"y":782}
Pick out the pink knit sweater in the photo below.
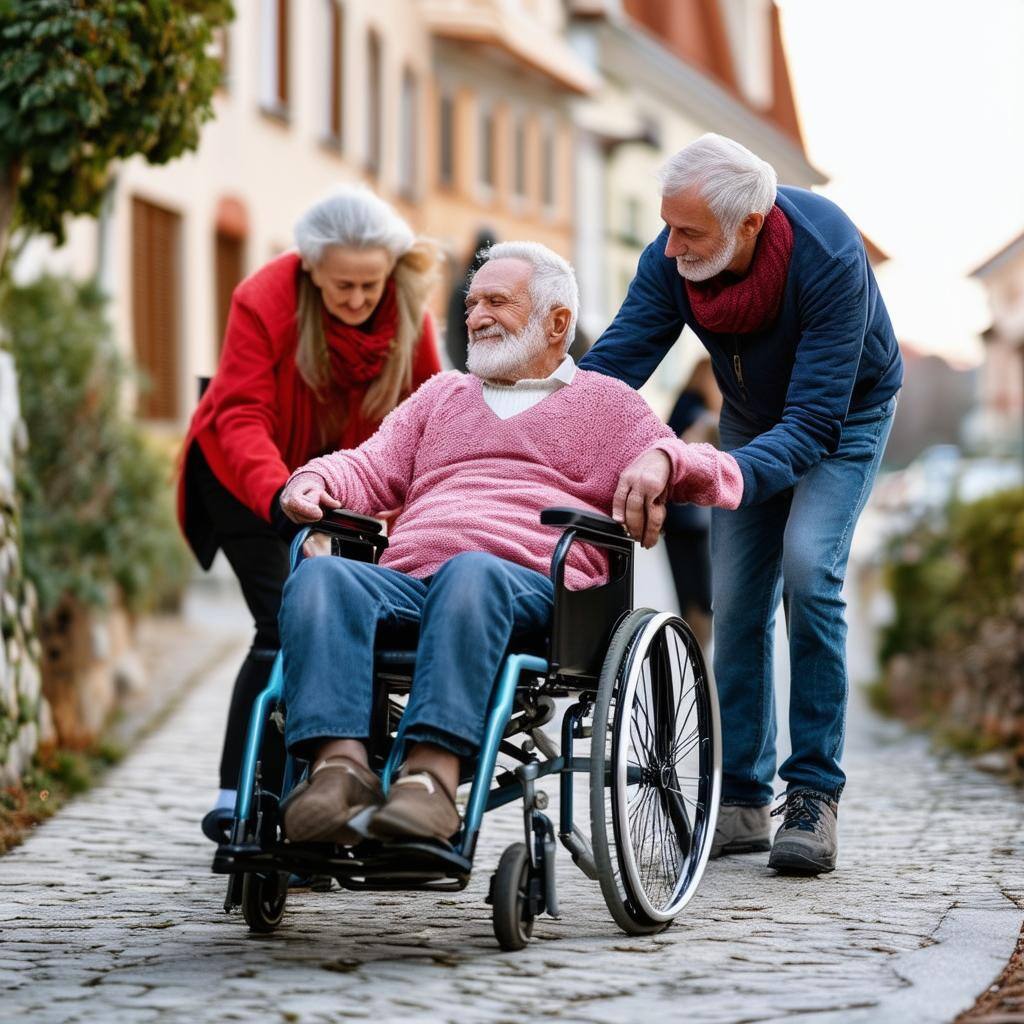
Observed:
{"x":461,"y":479}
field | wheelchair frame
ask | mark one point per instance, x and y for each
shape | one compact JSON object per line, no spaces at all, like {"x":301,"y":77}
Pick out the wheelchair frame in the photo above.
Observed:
{"x":583,"y":623}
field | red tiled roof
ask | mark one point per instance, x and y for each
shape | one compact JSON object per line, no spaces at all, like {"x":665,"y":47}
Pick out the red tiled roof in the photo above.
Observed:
{"x":695,"y":31}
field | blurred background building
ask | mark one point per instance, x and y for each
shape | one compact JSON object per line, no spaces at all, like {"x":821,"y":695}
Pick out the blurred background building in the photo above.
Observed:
{"x":543,"y":119}
{"x":999,"y":423}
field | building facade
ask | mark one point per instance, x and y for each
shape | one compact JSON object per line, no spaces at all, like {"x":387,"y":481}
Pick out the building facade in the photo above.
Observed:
{"x":457,"y":113}
{"x":542,"y":119}
{"x":999,"y":423}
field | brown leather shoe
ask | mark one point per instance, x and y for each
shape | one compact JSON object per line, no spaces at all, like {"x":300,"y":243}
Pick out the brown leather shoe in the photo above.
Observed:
{"x":319,"y":810}
{"x":417,"y":807}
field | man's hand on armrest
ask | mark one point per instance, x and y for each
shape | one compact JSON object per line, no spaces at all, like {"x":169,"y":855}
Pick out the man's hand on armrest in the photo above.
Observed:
{"x":677,"y":471}
{"x":639,"y":501}
{"x":305,"y":496}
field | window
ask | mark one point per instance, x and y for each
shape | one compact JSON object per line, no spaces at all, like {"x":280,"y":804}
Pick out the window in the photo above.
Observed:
{"x":408,"y":156}
{"x":548,"y":169}
{"x":156,"y":302}
{"x":631,"y":223}
{"x":487,"y":148}
{"x":229,"y":269}
{"x":446,"y":143}
{"x":275,"y":40}
{"x":222,"y":50}
{"x":374,"y":106}
{"x":519,"y":158}
{"x":335,"y":43}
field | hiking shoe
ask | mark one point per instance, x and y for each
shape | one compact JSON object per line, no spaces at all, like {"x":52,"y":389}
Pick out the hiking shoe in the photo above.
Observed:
{"x":806,"y":843}
{"x":321,"y":809}
{"x":417,"y":807}
{"x":741,"y":829}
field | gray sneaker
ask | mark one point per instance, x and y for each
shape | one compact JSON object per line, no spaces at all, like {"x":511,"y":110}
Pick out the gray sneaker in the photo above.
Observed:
{"x":806,"y":843}
{"x":741,"y":829}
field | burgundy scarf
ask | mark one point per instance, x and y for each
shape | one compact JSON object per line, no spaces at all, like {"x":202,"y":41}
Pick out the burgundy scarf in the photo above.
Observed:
{"x":729,"y":305}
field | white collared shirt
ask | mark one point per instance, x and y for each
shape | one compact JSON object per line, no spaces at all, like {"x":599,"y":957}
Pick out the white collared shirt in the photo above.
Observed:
{"x":507,"y":400}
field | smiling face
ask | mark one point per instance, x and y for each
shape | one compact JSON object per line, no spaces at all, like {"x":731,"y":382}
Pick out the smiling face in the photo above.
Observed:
{"x":508,"y":341}
{"x":695,"y":238}
{"x":351,"y":281}
{"x":499,"y":296}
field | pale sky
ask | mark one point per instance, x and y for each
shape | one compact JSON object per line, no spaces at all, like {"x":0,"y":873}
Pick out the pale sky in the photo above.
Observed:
{"x":915,"y":110}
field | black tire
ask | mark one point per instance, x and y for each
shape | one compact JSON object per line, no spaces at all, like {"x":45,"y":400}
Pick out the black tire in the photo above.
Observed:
{"x":263,"y":900}
{"x":513,"y":925}
{"x":653,"y":792}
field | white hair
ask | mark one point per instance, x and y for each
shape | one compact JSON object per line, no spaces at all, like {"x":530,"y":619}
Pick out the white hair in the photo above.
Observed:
{"x":552,"y":283}
{"x":733,"y":180}
{"x":353,"y":217}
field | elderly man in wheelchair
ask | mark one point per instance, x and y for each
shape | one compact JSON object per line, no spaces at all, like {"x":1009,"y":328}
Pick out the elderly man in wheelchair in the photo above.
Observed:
{"x":465,"y":609}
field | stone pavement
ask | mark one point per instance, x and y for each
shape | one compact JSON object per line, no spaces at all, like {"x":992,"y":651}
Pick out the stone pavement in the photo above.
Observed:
{"x":109,"y":913}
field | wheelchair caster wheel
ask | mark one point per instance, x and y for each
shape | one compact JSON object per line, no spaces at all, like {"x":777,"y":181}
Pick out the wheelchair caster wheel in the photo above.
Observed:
{"x":263,"y":900}
{"x":515,"y":891}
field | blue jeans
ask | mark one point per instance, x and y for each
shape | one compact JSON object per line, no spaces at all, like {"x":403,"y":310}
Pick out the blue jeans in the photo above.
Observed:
{"x":468,"y":613}
{"x":794,"y":546}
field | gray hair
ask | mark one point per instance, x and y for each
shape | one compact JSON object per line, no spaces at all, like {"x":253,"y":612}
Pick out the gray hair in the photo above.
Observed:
{"x":733,"y":180}
{"x":353,"y":217}
{"x":552,"y":284}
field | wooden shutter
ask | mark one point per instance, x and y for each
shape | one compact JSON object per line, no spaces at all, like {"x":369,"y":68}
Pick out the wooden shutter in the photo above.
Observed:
{"x":282,"y":54}
{"x":374,"y":105}
{"x":156,"y":305}
{"x":335,"y":84}
{"x":229,"y":269}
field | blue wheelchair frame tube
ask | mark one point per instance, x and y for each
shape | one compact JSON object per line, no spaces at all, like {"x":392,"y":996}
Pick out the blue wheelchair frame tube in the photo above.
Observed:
{"x":270,"y":696}
{"x":498,"y":715}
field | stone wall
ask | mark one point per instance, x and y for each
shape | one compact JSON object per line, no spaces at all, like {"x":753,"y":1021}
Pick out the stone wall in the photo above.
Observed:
{"x":25,"y":720}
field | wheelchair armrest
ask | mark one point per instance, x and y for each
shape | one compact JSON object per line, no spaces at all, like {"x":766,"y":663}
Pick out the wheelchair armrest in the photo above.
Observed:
{"x":348,"y":522}
{"x":592,"y":522}
{"x":352,"y":536}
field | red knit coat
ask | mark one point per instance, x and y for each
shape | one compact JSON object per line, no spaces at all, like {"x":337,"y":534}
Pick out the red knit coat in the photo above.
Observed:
{"x":254,"y":423}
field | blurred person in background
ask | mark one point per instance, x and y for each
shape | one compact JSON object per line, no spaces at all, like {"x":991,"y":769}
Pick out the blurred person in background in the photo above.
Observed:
{"x":777,"y":286}
{"x":321,"y":343}
{"x":456,"y":336}
{"x":694,"y":419}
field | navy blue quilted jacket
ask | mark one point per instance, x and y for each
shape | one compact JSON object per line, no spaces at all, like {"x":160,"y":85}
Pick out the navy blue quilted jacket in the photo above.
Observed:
{"x":789,"y":387}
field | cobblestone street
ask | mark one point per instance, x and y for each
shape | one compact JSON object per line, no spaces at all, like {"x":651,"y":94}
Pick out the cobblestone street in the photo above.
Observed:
{"x":110,"y":913}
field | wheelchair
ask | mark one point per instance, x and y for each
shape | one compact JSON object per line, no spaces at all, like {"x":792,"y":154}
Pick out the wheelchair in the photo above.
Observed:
{"x":637,"y":689}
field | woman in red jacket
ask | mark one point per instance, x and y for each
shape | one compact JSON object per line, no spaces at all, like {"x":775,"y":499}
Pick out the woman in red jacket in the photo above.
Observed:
{"x":320,"y":345}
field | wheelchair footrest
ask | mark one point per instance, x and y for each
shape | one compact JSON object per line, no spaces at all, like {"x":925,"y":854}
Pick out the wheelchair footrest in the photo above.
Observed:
{"x":371,"y":865}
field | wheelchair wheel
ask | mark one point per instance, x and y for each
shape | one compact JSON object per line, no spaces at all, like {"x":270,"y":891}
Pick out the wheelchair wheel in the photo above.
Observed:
{"x":263,"y":900}
{"x":655,"y":771}
{"x":511,"y":898}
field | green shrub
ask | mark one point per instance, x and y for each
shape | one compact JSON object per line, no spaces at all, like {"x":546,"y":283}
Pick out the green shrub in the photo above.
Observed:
{"x":96,"y":500}
{"x":946,"y":581}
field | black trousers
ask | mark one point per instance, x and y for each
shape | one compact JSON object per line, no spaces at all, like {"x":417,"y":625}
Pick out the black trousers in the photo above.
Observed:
{"x":259,"y":558}
{"x":689,"y":557}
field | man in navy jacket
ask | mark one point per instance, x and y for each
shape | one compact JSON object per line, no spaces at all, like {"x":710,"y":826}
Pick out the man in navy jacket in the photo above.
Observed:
{"x":776,"y":284}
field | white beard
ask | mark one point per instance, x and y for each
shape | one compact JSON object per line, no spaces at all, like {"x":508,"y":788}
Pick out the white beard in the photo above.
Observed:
{"x":703,"y":270}
{"x":505,"y":359}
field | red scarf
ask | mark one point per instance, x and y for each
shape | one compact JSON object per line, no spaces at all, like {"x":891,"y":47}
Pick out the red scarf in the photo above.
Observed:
{"x":729,"y":305}
{"x":357,"y":356}
{"x":358,"y":353}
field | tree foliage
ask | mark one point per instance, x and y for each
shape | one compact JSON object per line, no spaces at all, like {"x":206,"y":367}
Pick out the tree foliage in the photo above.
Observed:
{"x":86,"y":82}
